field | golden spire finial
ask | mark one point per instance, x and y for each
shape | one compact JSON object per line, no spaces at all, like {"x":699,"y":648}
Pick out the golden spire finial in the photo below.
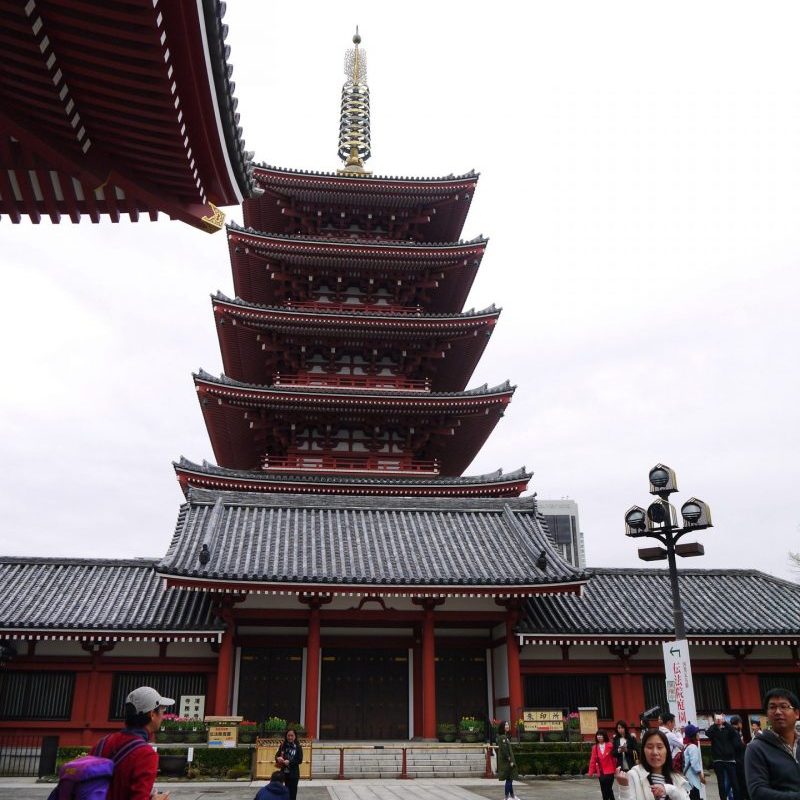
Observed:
{"x":354,"y":144}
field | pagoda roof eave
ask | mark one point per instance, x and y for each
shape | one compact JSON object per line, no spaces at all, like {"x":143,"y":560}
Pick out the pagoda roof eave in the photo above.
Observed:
{"x":370,"y":181}
{"x":253,"y":312}
{"x":379,"y":246}
{"x":58,"y":160}
{"x":210,"y":476}
{"x":254,"y":392}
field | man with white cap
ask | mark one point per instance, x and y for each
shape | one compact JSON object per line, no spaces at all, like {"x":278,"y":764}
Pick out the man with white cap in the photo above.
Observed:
{"x":135,"y":774}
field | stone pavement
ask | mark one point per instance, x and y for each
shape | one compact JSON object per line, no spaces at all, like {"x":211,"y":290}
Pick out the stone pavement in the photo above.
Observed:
{"x":439,"y":789}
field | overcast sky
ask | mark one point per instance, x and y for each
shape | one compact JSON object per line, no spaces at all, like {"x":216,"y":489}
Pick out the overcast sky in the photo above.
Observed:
{"x":640,"y":185}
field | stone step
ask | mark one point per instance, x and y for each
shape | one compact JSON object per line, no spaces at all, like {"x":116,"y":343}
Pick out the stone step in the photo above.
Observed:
{"x":386,"y":762}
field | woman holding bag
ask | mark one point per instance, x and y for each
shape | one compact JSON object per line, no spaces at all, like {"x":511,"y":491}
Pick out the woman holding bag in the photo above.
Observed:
{"x":288,"y":759}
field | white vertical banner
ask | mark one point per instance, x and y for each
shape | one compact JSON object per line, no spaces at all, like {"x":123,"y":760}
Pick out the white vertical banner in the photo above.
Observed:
{"x":680,"y":685}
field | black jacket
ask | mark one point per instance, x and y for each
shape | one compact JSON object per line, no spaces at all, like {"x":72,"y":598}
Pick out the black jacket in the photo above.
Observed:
{"x":631,"y":748}
{"x":772,"y":774}
{"x":293,"y":769}
{"x":725,"y":742}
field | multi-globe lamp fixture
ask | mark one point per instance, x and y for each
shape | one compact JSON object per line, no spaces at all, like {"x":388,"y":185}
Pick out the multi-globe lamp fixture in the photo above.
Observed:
{"x":660,"y":521}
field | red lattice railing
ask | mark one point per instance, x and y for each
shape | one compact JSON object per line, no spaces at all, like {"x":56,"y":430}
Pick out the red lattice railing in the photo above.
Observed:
{"x":354,"y":463}
{"x":337,"y":380}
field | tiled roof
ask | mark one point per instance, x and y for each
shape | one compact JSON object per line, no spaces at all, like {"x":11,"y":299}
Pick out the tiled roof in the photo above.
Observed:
{"x":637,"y":602}
{"x":123,"y":599}
{"x":297,"y":541}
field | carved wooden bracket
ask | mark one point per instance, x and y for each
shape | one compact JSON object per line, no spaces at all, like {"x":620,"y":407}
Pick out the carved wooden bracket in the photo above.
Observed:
{"x":738,"y":651}
{"x":97,"y":648}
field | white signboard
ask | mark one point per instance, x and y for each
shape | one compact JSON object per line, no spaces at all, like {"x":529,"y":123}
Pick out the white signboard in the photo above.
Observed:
{"x":193,"y":706}
{"x":680,"y":686}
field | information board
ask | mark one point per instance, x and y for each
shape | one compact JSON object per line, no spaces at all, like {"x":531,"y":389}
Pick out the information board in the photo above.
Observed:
{"x":222,"y":731}
{"x":543,"y":719}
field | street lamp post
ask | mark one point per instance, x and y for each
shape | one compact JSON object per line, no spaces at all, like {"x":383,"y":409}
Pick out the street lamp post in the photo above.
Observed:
{"x":660,"y":521}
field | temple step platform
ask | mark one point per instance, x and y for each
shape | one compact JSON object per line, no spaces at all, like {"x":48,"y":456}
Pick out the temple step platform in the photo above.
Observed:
{"x":385,"y":760}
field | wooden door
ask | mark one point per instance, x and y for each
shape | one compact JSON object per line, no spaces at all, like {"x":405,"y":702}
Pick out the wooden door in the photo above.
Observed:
{"x":461,"y":688}
{"x":269,"y":683}
{"x":364,"y":694}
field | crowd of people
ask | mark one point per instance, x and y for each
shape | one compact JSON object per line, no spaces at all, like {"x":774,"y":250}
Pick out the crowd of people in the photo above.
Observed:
{"x":668,"y":763}
{"x":665,"y":763}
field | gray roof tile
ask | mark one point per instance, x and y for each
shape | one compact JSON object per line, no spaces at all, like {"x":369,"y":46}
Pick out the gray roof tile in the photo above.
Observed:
{"x":354,"y":541}
{"x":49,"y":595}
{"x":635,"y":602}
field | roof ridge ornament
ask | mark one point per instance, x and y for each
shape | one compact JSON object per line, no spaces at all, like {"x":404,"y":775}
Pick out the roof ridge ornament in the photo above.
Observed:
{"x":354,"y":139}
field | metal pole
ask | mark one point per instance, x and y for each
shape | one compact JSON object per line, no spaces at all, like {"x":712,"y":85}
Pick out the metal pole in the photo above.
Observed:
{"x":677,"y":608}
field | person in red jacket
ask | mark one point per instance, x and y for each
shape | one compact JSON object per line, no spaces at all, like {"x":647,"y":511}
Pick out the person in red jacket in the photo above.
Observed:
{"x":135,"y":775}
{"x":603,"y":763}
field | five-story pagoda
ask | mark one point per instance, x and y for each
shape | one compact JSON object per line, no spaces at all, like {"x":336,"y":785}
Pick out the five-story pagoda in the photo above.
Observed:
{"x":346,"y":352}
{"x":366,"y":587}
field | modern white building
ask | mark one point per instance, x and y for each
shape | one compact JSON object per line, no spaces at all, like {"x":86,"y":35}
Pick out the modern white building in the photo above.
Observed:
{"x":564,"y":527}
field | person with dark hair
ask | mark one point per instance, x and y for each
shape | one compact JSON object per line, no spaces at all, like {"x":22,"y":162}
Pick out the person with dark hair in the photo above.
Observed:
{"x":693,"y":762}
{"x":506,"y":763}
{"x":667,"y":727}
{"x":736,"y":724}
{"x":288,"y":758}
{"x":275,"y":789}
{"x":725,"y":743}
{"x":624,"y":746}
{"x":772,"y":760}
{"x":135,"y":774}
{"x":603,"y":764}
{"x":653,"y":778}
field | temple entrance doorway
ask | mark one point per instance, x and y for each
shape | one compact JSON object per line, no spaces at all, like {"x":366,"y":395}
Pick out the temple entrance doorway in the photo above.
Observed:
{"x":461,"y":684}
{"x":364,"y":694}
{"x":270,"y":680}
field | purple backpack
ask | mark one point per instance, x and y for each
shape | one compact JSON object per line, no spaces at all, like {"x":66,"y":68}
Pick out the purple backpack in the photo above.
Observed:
{"x":89,"y":777}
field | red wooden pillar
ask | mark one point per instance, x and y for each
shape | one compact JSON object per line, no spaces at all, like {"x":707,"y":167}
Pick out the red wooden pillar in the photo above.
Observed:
{"x":222,"y":698}
{"x":428,"y":665}
{"x":312,"y":671}
{"x":515,"y":696}
{"x":428,"y":674}
{"x":222,"y":701}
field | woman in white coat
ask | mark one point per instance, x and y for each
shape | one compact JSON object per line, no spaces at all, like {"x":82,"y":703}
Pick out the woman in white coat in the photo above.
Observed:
{"x":653,"y":777}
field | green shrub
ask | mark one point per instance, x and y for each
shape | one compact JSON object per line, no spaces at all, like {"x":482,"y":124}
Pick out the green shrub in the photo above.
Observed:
{"x":553,"y":758}
{"x":68,"y":754}
{"x":238,"y":772}
{"x":216,"y":761}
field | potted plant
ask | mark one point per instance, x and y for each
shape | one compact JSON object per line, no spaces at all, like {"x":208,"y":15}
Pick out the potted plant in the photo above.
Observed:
{"x":298,"y":728}
{"x":446,"y":732}
{"x":194,"y":730}
{"x":170,"y":729}
{"x":471,"y":729}
{"x":247,"y":731}
{"x":274,"y":727}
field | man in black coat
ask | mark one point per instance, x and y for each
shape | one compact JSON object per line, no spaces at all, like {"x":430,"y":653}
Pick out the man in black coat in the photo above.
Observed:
{"x":772,"y":760}
{"x":725,"y":743}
